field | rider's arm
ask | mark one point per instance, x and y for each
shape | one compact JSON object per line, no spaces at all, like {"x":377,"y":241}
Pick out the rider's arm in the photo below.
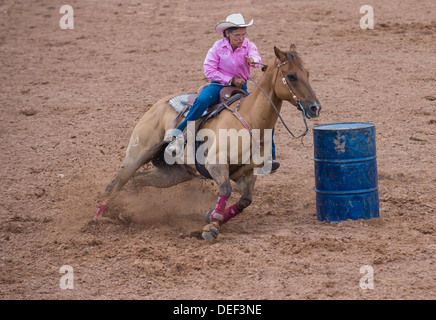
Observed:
{"x":253,"y":53}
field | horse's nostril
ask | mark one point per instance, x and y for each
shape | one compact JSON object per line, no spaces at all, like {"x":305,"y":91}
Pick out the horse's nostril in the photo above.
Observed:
{"x":315,"y":109}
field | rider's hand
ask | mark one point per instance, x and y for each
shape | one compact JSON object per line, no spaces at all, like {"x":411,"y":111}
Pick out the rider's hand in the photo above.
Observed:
{"x":238,"y":82}
{"x":250,"y":61}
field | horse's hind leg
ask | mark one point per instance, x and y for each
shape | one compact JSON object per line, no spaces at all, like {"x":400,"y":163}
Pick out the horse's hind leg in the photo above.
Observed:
{"x":131,"y":164}
{"x":146,"y":136}
{"x":126,"y":171}
{"x":164,"y":177}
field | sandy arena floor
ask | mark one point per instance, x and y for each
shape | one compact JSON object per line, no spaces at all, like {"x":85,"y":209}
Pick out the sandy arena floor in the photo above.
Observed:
{"x":69,"y":100}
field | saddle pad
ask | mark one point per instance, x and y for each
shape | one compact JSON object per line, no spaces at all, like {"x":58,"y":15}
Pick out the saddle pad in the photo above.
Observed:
{"x":183,"y":100}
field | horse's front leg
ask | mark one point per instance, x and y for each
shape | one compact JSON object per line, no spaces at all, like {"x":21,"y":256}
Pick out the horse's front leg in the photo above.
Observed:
{"x":245,"y":186}
{"x":220,"y":173}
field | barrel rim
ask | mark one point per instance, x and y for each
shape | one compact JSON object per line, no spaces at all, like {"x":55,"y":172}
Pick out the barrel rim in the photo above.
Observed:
{"x":336,"y":126}
{"x":346,"y":160}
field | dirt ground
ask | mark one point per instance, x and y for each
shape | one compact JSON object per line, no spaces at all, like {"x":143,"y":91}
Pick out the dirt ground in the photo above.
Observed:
{"x":69,"y":100}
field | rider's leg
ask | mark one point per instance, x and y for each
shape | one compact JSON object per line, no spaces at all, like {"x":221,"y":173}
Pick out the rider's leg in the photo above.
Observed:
{"x":273,"y":146}
{"x":209,"y":96}
{"x":275,"y":164}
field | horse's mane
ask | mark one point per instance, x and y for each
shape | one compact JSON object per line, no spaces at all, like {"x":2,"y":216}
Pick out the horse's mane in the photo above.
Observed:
{"x":294,"y":58}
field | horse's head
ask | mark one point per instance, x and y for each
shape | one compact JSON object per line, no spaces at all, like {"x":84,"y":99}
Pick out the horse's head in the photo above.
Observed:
{"x":292,"y":82}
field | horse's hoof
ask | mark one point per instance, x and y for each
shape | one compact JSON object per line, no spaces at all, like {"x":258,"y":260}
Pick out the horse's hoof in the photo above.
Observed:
{"x":210,"y":232}
{"x":207,"y":216}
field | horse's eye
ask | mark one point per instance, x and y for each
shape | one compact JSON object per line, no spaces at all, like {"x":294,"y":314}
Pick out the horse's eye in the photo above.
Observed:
{"x":292,"y":77}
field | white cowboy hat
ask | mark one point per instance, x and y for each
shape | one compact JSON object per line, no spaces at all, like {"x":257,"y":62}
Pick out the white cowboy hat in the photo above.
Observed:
{"x":233,"y":20}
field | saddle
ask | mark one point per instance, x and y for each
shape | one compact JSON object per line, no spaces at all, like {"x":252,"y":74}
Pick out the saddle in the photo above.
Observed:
{"x":183,"y":102}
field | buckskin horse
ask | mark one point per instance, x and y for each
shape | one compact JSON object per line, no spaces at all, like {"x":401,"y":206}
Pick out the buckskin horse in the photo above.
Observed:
{"x":285,"y":78}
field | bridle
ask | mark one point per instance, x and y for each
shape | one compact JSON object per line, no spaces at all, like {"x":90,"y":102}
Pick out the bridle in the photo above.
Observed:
{"x":294,"y":96}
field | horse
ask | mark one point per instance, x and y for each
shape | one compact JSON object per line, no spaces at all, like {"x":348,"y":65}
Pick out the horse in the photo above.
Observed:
{"x":284,"y":79}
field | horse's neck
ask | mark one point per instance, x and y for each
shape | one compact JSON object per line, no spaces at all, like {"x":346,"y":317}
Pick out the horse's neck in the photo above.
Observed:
{"x":260,"y":113}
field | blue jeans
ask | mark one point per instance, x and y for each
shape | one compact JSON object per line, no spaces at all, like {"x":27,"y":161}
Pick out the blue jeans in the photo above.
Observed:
{"x":273,"y":146}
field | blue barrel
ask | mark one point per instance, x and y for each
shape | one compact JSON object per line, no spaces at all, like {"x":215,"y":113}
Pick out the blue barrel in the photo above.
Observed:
{"x":345,"y":171}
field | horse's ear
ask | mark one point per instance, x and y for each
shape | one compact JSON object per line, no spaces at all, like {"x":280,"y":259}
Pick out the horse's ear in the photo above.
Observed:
{"x":279,"y":54}
{"x":293,"y":48}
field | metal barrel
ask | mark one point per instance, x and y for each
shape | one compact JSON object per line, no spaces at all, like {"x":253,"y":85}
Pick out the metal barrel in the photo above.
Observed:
{"x":346,"y":181}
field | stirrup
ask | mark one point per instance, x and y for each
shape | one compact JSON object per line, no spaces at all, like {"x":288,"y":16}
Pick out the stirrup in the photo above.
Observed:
{"x":169,"y":137}
{"x":274,"y":166}
{"x":176,"y":146}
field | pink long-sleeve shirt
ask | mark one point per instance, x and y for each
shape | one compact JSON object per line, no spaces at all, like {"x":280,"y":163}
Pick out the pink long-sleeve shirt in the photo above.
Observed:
{"x":222,"y":64}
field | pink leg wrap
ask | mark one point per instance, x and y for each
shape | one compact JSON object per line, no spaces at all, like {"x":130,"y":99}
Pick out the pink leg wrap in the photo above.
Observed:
{"x":218,"y":212}
{"x":230,"y":213}
{"x":100,"y":210}
{"x":221,"y":214}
